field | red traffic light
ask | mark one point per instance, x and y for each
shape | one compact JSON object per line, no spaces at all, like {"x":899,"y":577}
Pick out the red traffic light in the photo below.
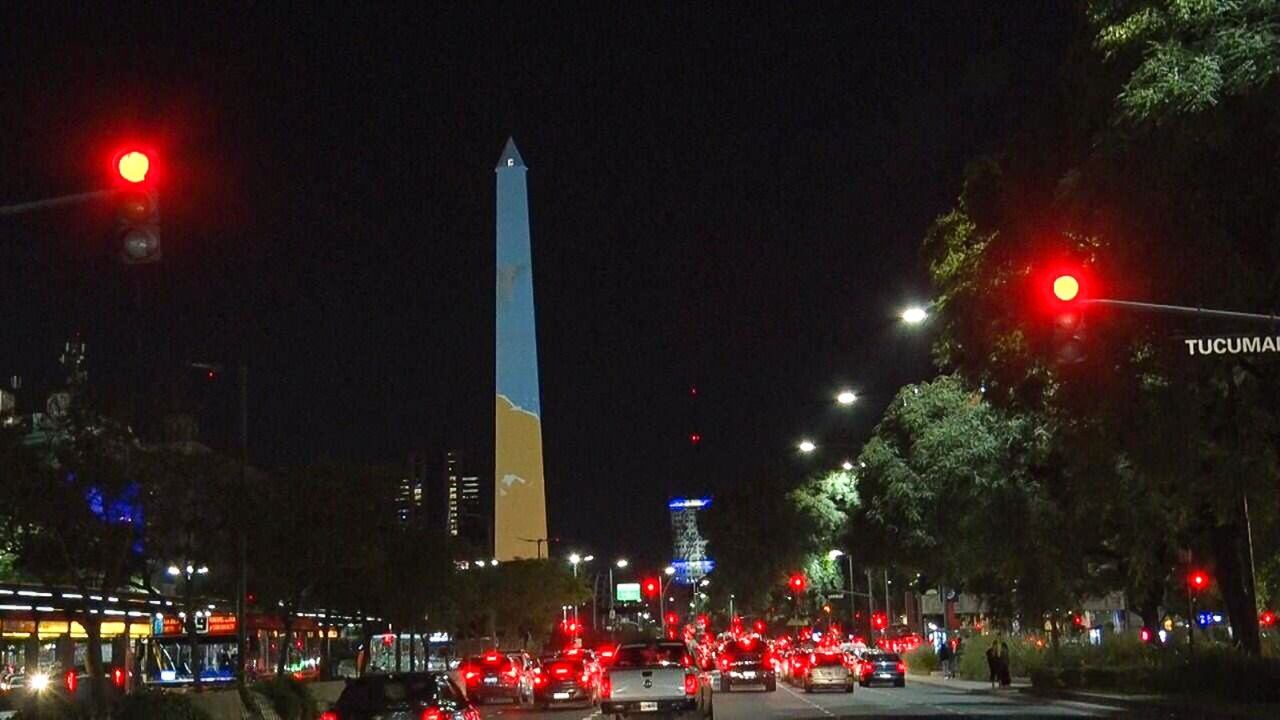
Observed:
{"x":1267,"y":618}
{"x":672,"y":618}
{"x":650,"y":587}
{"x":1066,"y":287}
{"x":1198,"y":580}
{"x":798,"y":582}
{"x":879,"y":620}
{"x":1145,"y":635}
{"x":133,"y":166}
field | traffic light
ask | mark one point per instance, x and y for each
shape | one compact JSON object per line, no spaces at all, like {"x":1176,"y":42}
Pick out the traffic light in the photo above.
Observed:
{"x":1197,"y":580}
{"x":1062,"y":289}
{"x":1267,"y":618}
{"x":137,"y":208}
{"x":879,"y":621}
{"x":650,"y":587}
{"x":1145,"y":635}
{"x":798,"y":583}
{"x":672,"y":619}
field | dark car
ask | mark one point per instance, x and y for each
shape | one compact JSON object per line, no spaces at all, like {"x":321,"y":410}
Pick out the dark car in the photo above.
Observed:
{"x":747,"y":661}
{"x":420,"y":696}
{"x":565,"y":681}
{"x":498,"y":676}
{"x":882,"y":667}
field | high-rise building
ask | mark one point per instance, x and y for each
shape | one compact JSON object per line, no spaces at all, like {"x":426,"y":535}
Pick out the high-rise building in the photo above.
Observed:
{"x":412,"y":501}
{"x":520,"y":504}
{"x":464,"y":517}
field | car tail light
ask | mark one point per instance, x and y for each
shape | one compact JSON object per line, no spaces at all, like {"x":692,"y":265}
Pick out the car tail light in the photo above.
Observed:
{"x":691,"y":684}
{"x":470,"y":676}
{"x":539,"y":680}
{"x":70,"y":680}
{"x":606,"y":687}
{"x":902,"y":667}
{"x":328,"y":715}
{"x":432,"y":713}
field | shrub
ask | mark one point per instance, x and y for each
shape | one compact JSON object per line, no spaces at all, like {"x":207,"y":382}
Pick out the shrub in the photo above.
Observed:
{"x":1024,"y":657}
{"x":156,"y":705}
{"x":921,"y":660}
{"x":47,"y":706}
{"x":290,"y":698}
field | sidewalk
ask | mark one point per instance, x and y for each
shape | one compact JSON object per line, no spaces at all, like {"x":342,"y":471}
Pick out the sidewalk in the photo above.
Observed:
{"x":936,"y":678}
{"x":1177,"y":705}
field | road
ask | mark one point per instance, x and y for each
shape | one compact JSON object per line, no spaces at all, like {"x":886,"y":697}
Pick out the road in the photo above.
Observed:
{"x":917,"y":700}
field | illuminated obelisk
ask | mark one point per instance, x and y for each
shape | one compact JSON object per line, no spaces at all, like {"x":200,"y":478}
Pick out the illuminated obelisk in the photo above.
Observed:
{"x":519,"y":498}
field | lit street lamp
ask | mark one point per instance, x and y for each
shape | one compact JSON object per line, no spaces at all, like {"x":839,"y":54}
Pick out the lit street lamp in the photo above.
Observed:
{"x":807,"y":446}
{"x":846,"y":466}
{"x":846,"y":397}
{"x":914,"y":315}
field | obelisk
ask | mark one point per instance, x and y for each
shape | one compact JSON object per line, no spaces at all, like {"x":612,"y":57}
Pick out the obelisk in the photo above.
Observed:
{"x":519,"y":498}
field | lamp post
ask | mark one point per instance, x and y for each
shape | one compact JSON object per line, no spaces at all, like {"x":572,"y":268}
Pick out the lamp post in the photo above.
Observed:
{"x":853,"y":606}
{"x":621,"y":564}
{"x":670,"y":572}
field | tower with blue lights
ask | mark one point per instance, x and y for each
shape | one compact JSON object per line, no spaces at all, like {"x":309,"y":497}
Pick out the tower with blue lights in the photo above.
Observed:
{"x":688,"y":546}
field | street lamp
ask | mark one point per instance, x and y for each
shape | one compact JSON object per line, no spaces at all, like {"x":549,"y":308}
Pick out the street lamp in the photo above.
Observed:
{"x":834,"y":555}
{"x":807,"y":446}
{"x":669,"y":570}
{"x":621,"y":564}
{"x":846,"y":466}
{"x":914,"y":315}
{"x":846,"y":397}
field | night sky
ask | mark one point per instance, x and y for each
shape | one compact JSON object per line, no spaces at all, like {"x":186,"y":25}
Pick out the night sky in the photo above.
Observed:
{"x":730,"y":201}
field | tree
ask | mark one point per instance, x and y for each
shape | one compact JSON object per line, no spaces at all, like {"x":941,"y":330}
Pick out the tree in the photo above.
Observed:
{"x":1159,"y":151}
{"x":72,"y":509}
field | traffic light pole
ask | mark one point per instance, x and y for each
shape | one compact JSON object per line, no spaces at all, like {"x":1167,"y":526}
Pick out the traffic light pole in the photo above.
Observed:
{"x":53,"y":202}
{"x":1181,"y":310}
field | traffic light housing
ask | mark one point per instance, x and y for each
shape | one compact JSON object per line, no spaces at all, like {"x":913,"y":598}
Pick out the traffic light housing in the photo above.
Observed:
{"x":1197,"y":580}
{"x":1061,"y":290}
{"x":650,"y":587}
{"x":137,"y":208}
{"x":798,"y":583}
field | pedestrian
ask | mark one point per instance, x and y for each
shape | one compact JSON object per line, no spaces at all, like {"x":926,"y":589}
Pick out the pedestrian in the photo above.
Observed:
{"x":944,"y":658}
{"x":1005,"y":679}
{"x":993,"y":662}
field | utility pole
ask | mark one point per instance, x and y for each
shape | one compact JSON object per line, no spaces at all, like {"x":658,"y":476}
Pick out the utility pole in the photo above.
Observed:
{"x":242,"y":586}
{"x":888,"y":603}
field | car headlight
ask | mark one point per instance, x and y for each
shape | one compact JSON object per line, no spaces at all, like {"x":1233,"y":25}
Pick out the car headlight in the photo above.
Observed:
{"x":39,"y":682}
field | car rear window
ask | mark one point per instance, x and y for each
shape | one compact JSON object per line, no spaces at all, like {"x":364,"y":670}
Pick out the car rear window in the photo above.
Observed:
{"x":563,"y":667}
{"x":373,"y":692}
{"x":880,"y":657}
{"x":657,"y":655}
{"x":827,"y":660}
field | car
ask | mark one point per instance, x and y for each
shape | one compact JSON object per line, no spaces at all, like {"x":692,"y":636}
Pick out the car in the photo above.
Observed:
{"x":882,"y":667}
{"x":498,"y":676}
{"x":565,"y":681}
{"x":747,"y":661}
{"x":828,"y":670}
{"x":657,"y":676}
{"x":422,"y":695}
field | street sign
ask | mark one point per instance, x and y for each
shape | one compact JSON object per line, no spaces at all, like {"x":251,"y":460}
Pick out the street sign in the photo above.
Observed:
{"x":628,"y":592}
{"x":1232,"y":345}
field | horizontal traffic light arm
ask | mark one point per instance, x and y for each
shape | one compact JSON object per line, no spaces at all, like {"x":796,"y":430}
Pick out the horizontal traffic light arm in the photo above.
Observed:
{"x":1181,"y":310}
{"x":54,"y":202}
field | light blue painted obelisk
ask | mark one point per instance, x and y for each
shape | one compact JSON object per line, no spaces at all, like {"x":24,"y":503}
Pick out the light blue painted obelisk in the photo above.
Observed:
{"x":520,"y":506}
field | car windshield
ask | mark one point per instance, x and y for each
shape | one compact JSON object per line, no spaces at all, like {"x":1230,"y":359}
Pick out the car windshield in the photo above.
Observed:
{"x":656,"y":655}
